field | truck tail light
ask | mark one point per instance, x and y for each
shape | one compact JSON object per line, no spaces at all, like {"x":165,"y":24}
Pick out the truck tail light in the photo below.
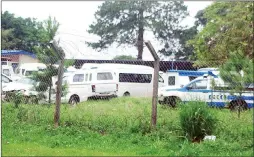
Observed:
{"x":93,"y":88}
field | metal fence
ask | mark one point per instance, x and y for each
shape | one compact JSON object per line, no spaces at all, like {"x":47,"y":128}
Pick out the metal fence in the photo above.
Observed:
{"x":105,"y":79}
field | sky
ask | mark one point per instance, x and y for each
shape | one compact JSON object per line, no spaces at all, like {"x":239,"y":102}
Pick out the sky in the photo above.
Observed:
{"x":76,"y":16}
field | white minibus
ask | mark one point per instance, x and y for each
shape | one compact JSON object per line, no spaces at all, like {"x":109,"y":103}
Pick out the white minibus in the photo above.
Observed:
{"x":90,"y":83}
{"x":133,"y":80}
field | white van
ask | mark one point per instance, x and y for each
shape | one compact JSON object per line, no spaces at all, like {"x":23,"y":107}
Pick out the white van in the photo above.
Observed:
{"x":27,"y":69}
{"x":133,"y":80}
{"x":8,"y":71}
{"x":84,"y":84}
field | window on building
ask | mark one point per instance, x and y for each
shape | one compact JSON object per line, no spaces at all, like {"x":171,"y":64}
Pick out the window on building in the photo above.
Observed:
{"x":4,"y":63}
{"x":78,"y":78}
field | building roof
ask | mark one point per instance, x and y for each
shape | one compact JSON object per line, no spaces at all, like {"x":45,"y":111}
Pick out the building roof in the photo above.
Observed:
{"x":17,"y":52}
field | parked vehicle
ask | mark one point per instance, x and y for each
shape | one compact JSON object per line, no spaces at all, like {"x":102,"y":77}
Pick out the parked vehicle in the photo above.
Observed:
{"x":24,"y":84}
{"x":201,"y":89}
{"x":8,"y":71}
{"x":27,"y":69}
{"x":90,"y":83}
{"x":179,"y":78}
{"x":133,"y":80}
{"x":5,"y":80}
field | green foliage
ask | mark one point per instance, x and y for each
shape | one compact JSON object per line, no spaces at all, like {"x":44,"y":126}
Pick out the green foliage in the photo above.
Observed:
{"x":184,"y":52}
{"x":19,"y":33}
{"x":17,"y":98}
{"x":229,"y":27}
{"x":237,"y":73}
{"x":47,"y":55}
{"x":105,"y":129}
{"x":200,"y":19}
{"x":124,"y":57}
{"x":69,"y":62}
{"x":197,"y":121}
{"x":8,"y":39}
{"x":124,"y":22}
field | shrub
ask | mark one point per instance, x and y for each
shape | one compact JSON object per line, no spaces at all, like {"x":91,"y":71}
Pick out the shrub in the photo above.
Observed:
{"x":196,"y":120}
{"x":17,"y":99}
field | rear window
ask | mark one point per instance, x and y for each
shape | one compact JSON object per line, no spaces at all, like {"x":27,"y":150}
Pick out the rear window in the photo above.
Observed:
{"x":104,"y":76}
{"x":78,"y":78}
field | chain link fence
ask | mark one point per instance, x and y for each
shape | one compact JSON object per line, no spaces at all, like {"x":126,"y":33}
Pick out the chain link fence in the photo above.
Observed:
{"x":85,"y":80}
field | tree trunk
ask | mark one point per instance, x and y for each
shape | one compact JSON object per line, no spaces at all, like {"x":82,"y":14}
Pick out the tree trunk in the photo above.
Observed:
{"x":140,"y":34}
{"x":58,"y":93}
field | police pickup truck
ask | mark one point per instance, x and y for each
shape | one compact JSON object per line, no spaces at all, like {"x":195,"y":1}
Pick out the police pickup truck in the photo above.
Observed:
{"x":201,"y":89}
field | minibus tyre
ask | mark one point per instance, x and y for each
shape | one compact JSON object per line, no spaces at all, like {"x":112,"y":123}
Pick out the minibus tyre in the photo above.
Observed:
{"x":172,"y":101}
{"x":32,"y":99}
{"x":74,"y":100}
{"x":233,"y":106}
{"x":126,"y":94}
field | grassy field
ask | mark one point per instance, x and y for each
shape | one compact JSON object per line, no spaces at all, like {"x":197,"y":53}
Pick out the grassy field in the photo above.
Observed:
{"x":117,"y":127}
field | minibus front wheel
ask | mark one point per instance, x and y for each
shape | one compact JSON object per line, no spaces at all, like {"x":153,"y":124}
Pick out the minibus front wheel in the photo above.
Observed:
{"x":74,"y":100}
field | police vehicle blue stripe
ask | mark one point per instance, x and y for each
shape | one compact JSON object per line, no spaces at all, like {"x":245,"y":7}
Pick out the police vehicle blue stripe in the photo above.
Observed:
{"x":232,"y":97}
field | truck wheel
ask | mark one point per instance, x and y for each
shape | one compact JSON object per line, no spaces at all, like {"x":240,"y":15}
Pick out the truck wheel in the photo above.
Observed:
{"x":172,"y":101}
{"x":74,"y":100}
{"x":126,"y":94}
{"x":239,"y":103}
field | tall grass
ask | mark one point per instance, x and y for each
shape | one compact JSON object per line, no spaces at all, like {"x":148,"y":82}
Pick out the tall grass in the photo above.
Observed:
{"x":120,"y":126}
{"x":197,"y":120}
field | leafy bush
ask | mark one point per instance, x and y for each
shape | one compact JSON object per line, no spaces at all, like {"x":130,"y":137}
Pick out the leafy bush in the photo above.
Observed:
{"x":197,"y":121}
{"x":17,"y":98}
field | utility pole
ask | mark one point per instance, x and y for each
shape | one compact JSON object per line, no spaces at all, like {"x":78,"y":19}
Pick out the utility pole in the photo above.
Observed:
{"x":61,"y":56}
{"x":155,"y":83}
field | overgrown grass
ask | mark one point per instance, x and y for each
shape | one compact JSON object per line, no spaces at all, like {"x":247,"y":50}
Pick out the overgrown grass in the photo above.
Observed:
{"x":117,"y":127}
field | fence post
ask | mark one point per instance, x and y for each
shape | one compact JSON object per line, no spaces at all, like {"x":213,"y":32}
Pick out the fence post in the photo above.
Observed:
{"x":61,"y":55}
{"x":155,"y":83}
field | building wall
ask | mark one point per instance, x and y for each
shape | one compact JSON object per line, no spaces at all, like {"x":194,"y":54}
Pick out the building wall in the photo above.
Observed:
{"x":27,"y":59}
{"x":17,"y":60}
